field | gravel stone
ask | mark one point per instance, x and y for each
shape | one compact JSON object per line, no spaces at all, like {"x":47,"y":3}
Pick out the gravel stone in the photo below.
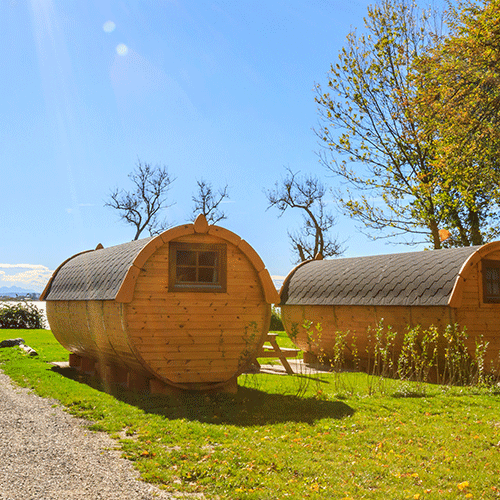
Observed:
{"x":46,"y":454}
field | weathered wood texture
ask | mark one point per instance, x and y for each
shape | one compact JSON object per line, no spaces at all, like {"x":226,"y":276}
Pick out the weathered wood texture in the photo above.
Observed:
{"x":187,"y":339}
{"x":481,"y":320}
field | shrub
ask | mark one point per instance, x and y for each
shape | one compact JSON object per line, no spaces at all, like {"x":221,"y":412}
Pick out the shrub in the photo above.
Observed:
{"x":21,"y":316}
{"x":276,"y":323}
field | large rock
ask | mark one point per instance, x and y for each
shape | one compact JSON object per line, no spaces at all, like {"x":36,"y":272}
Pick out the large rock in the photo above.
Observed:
{"x":18,"y":342}
{"x":11,"y":342}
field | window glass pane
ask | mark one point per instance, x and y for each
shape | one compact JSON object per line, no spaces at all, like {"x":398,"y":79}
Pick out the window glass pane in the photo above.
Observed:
{"x":207,"y":275}
{"x":492,"y":281}
{"x":207,"y":259}
{"x":186,"y":258}
{"x":491,"y":273}
{"x":186,"y":274}
{"x":197,"y":267}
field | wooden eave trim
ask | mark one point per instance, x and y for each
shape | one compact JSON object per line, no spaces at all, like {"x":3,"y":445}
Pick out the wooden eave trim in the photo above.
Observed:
{"x":289,"y":276}
{"x":126,"y":292}
{"x":270,"y":293}
{"x":224,"y":234}
{"x":252,"y":255}
{"x":455,"y":299}
{"x":46,"y":290}
{"x":241,"y":244}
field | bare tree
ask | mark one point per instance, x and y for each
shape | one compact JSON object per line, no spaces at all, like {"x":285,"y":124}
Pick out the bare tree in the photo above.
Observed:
{"x":207,"y":202}
{"x":307,"y":194}
{"x":141,"y":206}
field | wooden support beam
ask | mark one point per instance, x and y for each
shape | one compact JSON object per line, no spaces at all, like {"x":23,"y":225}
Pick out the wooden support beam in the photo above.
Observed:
{"x":275,"y":351}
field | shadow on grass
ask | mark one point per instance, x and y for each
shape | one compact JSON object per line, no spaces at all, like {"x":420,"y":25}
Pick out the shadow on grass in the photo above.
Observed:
{"x":245,"y":408}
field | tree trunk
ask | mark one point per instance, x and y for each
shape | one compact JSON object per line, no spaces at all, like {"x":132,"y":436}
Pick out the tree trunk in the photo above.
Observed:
{"x":476,"y":237}
{"x":436,"y":240}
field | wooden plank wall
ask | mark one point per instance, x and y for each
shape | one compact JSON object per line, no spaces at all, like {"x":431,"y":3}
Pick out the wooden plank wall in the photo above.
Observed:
{"x":92,"y":329}
{"x":356,"y":320}
{"x":481,"y":320}
{"x":197,"y":337}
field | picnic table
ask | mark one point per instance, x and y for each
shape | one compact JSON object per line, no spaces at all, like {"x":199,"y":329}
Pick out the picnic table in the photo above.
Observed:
{"x":275,"y":351}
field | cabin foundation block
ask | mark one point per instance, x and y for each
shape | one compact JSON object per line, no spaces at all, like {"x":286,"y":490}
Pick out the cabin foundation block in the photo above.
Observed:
{"x":158,"y":387}
{"x":87,"y":365}
{"x":114,"y":375}
{"x":137,"y":382}
{"x":75,"y":360}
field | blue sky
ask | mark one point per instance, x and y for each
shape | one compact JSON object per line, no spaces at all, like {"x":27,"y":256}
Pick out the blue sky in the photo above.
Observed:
{"x":218,"y":89}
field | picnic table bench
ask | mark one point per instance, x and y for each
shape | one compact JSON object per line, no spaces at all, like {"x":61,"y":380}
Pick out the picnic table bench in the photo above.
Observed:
{"x":275,"y":351}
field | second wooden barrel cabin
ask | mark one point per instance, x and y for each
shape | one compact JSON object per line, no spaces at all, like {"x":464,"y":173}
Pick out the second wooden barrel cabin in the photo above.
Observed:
{"x":189,"y":308}
{"x":439,"y":287}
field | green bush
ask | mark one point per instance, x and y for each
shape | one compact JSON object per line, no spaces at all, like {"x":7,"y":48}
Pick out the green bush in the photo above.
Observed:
{"x":21,"y":316}
{"x":276,"y":323}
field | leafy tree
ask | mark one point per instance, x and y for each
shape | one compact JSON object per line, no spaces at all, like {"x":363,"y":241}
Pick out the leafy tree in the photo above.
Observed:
{"x":307,"y":194}
{"x":415,"y":113}
{"x":367,"y":116}
{"x":141,"y":206}
{"x":207,"y":202}
{"x":459,"y":100}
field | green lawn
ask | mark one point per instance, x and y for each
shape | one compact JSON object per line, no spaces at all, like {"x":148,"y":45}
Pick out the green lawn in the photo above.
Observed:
{"x":331,"y":436}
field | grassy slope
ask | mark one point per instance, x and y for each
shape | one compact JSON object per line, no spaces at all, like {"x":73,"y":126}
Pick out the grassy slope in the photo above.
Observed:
{"x":289,"y":437}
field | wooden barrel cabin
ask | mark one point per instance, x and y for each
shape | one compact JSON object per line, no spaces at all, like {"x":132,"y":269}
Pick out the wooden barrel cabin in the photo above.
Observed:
{"x":187,"y":309}
{"x":439,"y":287}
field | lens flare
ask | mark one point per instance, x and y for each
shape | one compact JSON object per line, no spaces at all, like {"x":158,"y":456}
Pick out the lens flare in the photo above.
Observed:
{"x":122,"y":49}
{"x":109,"y":26}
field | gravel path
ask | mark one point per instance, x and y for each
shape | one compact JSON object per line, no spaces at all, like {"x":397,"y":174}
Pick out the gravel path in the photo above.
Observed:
{"x":46,"y":454}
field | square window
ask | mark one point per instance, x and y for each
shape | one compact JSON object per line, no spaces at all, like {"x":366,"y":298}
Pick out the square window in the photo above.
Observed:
{"x":491,"y":281}
{"x":197,"y":267}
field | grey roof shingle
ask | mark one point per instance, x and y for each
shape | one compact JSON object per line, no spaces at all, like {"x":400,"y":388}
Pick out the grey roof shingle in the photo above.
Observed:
{"x":95,"y":275}
{"x":412,"y":278}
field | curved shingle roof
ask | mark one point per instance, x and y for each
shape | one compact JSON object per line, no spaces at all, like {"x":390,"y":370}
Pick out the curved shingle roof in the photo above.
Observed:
{"x":94,"y":275}
{"x":111,"y":273}
{"x":413,"y":278}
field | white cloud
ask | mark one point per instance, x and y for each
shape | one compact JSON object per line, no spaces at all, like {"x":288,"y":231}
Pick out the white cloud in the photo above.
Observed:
{"x":29,"y":276}
{"x":278,"y":281}
{"x":277,"y":278}
{"x":23,"y":266}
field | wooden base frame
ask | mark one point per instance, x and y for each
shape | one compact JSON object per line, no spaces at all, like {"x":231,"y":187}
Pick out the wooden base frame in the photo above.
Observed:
{"x":134,"y":381}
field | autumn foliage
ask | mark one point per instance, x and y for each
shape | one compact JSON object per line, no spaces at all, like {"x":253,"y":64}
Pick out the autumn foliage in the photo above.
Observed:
{"x":409,"y":118}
